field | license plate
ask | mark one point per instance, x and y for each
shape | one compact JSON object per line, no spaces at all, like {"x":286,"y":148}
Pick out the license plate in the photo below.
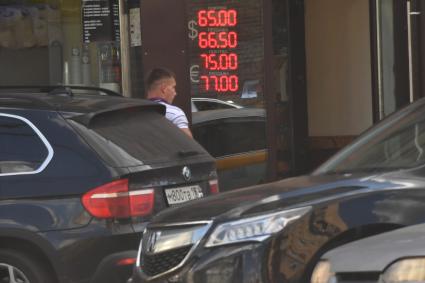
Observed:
{"x":183,"y":194}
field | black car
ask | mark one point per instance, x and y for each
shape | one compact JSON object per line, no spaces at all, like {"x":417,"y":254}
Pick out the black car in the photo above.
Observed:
{"x":277,"y":232}
{"x":81,"y":175}
{"x":393,"y":257}
{"x":237,"y":139}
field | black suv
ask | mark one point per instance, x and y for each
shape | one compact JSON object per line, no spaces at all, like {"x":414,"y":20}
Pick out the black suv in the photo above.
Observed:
{"x":81,"y":175}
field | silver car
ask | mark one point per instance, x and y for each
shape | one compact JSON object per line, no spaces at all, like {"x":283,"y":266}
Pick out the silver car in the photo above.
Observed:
{"x":392,"y":257}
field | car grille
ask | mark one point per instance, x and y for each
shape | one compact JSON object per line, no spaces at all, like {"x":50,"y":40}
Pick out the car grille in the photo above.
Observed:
{"x":159,"y":263}
{"x":358,"y":277}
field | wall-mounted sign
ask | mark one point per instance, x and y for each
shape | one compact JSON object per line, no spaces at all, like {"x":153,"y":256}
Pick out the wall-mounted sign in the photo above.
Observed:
{"x":100,"y":20}
{"x":116,"y":19}
{"x":135,"y":33}
{"x":226,"y":42}
{"x":218,"y":40}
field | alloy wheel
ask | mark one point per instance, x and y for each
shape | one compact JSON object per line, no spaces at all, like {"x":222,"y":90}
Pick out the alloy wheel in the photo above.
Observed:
{"x":11,"y":274}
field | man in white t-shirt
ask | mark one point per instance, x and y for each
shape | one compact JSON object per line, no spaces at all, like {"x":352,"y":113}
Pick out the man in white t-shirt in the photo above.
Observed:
{"x":161,"y":88}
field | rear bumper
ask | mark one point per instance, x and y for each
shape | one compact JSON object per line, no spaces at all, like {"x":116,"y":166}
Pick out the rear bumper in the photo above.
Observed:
{"x":88,"y":254}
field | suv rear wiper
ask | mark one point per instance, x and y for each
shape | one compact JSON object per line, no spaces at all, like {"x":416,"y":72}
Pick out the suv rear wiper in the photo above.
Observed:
{"x":61,"y":90}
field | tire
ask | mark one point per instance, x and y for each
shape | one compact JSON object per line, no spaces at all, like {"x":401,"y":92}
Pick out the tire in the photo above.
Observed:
{"x":24,"y":268}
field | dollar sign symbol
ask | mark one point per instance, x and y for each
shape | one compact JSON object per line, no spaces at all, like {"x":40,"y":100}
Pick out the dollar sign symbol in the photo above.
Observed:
{"x":193,"y":31}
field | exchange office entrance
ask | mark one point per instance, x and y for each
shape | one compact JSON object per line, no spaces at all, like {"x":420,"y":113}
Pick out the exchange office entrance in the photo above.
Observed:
{"x":237,"y":51}
{"x":323,"y":70}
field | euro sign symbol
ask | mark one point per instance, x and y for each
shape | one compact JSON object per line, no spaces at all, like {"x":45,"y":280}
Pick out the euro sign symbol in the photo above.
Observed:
{"x":193,"y":31}
{"x":194,"y":73}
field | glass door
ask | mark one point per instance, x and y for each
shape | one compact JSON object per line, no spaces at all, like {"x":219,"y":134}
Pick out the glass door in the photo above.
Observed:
{"x":397,"y":60}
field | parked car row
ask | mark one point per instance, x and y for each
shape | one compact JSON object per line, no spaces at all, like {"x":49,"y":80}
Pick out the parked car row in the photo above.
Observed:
{"x":279,"y":232}
{"x":87,"y":179}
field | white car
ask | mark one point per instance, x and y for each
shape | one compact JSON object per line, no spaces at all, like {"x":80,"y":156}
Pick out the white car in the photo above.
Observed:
{"x":201,"y":104}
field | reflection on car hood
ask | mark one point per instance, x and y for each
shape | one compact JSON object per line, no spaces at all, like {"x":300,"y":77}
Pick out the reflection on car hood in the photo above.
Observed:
{"x":380,"y":250}
{"x":277,"y":195}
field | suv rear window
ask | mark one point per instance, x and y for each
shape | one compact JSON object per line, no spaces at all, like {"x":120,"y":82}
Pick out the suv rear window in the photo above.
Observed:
{"x":135,"y":137}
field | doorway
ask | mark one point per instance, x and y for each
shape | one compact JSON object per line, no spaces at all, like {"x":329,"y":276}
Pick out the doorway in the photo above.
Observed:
{"x":338,"y":68}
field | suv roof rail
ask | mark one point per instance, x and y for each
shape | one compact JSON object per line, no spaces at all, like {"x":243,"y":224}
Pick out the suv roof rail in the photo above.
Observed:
{"x":60,"y":90}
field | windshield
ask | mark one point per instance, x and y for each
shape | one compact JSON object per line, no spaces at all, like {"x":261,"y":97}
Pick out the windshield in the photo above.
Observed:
{"x":396,"y":143}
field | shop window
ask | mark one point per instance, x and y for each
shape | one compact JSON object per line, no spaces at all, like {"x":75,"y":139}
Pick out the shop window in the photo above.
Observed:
{"x":73,"y":42}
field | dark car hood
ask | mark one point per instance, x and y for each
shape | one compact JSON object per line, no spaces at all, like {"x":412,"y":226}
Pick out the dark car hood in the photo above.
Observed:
{"x":380,"y":250}
{"x":267,"y":197}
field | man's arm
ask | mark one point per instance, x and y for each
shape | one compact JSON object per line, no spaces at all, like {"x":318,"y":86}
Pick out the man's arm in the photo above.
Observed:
{"x":187,"y":132}
{"x":180,"y":120}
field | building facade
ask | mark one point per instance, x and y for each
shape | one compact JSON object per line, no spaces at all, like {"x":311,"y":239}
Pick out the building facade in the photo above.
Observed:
{"x":322,"y":70}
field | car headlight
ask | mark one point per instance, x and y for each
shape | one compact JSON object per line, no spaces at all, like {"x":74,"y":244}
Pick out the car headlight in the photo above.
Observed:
{"x":322,"y":273}
{"x":255,"y":229}
{"x":159,"y":240}
{"x":410,"y":270}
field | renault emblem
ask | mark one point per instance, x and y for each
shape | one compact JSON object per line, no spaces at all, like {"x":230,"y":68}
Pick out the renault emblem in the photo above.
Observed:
{"x":187,"y":175}
{"x":152,"y":239}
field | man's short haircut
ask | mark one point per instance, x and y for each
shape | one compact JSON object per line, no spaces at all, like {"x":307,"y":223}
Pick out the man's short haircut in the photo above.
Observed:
{"x":157,"y":74}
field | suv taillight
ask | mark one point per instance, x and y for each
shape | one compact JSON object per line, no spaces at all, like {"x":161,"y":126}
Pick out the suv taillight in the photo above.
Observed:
{"x":214,"y":186}
{"x":114,"y":200}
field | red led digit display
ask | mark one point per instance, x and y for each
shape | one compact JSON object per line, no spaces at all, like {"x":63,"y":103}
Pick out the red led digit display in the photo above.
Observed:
{"x":217,"y":40}
{"x":220,"y":62}
{"x":217,"y":18}
{"x":221,"y":83}
{"x":217,"y":43}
